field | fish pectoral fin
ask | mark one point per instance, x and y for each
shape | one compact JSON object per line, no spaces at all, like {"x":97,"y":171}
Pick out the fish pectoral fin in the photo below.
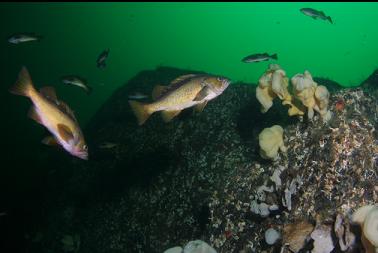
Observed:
{"x":49,"y":92}
{"x":158,"y":91}
{"x":50,"y":141}
{"x":202,"y":94}
{"x":200,"y":107}
{"x":169,"y":115}
{"x":33,"y":114}
{"x":65,"y":132}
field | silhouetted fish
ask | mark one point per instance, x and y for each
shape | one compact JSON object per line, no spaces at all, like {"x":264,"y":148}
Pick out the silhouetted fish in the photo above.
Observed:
{"x":102,"y":58}
{"x":315,"y":14}
{"x":137,"y":95}
{"x":77,"y":81}
{"x":108,"y":145}
{"x":23,"y":37}
{"x":259,"y":57}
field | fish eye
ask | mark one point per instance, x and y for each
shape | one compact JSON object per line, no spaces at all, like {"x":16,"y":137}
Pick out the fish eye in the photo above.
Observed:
{"x":85,"y":147}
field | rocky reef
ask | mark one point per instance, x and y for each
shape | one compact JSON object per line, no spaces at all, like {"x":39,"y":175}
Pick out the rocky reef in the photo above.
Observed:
{"x":201,"y":175}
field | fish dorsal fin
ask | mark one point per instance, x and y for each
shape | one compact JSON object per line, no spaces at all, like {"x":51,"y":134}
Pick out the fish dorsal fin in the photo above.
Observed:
{"x":50,"y":141}
{"x":65,"y":132}
{"x":49,"y":93}
{"x":204,"y":92}
{"x":200,"y":107}
{"x":33,"y":114}
{"x":169,"y":115}
{"x":182,"y":78}
{"x":66,"y":109}
{"x":158,"y":91}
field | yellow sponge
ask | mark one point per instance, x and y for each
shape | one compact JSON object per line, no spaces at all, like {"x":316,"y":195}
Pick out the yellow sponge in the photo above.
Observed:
{"x":304,"y":88}
{"x":367,"y":218}
{"x":264,"y":93}
{"x":322,"y":100}
{"x":274,"y":83}
{"x":270,"y":141}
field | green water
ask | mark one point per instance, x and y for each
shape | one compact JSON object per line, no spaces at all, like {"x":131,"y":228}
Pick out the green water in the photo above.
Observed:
{"x":211,"y":37}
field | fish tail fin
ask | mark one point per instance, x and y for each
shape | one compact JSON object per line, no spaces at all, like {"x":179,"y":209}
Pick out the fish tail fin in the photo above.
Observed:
{"x":140,"y":110}
{"x":330,"y":19}
{"x":37,"y":36}
{"x":274,"y":56}
{"x":101,"y":65}
{"x":23,"y":85}
{"x":89,"y":90}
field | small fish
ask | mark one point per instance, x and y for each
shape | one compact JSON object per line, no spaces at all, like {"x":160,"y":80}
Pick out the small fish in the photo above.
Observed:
{"x":315,"y":14}
{"x":23,"y":37}
{"x":108,"y":145}
{"x":137,"y":95}
{"x":259,"y":57}
{"x":102,"y":58}
{"x":54,"y":114}
{"x":77,"y":81}
{"x":183,"y":92}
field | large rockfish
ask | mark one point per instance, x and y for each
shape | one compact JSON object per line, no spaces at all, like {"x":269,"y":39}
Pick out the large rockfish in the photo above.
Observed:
{"x":54,"y":114}
{"x":183,"y":92}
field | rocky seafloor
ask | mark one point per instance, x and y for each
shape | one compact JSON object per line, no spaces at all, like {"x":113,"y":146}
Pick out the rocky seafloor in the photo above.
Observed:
{"x":199,"y":176}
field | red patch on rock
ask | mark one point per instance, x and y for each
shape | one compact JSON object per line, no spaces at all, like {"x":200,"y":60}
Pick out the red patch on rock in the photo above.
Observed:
{"x":228,"y":234}
{"x":340,"y":105}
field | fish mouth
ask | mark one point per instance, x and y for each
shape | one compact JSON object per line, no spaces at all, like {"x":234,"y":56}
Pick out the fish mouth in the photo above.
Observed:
{"x":222,"y":88}
{"x":226,"y":82}
{"x":82,"y":155}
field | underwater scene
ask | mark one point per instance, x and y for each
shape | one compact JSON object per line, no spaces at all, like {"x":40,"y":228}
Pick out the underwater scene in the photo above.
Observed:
{"x":189,"y":127}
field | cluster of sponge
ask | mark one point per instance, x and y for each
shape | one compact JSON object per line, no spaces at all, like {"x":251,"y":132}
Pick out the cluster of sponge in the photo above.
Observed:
{"x":313,"y":96}
{"x":274,"y":83}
